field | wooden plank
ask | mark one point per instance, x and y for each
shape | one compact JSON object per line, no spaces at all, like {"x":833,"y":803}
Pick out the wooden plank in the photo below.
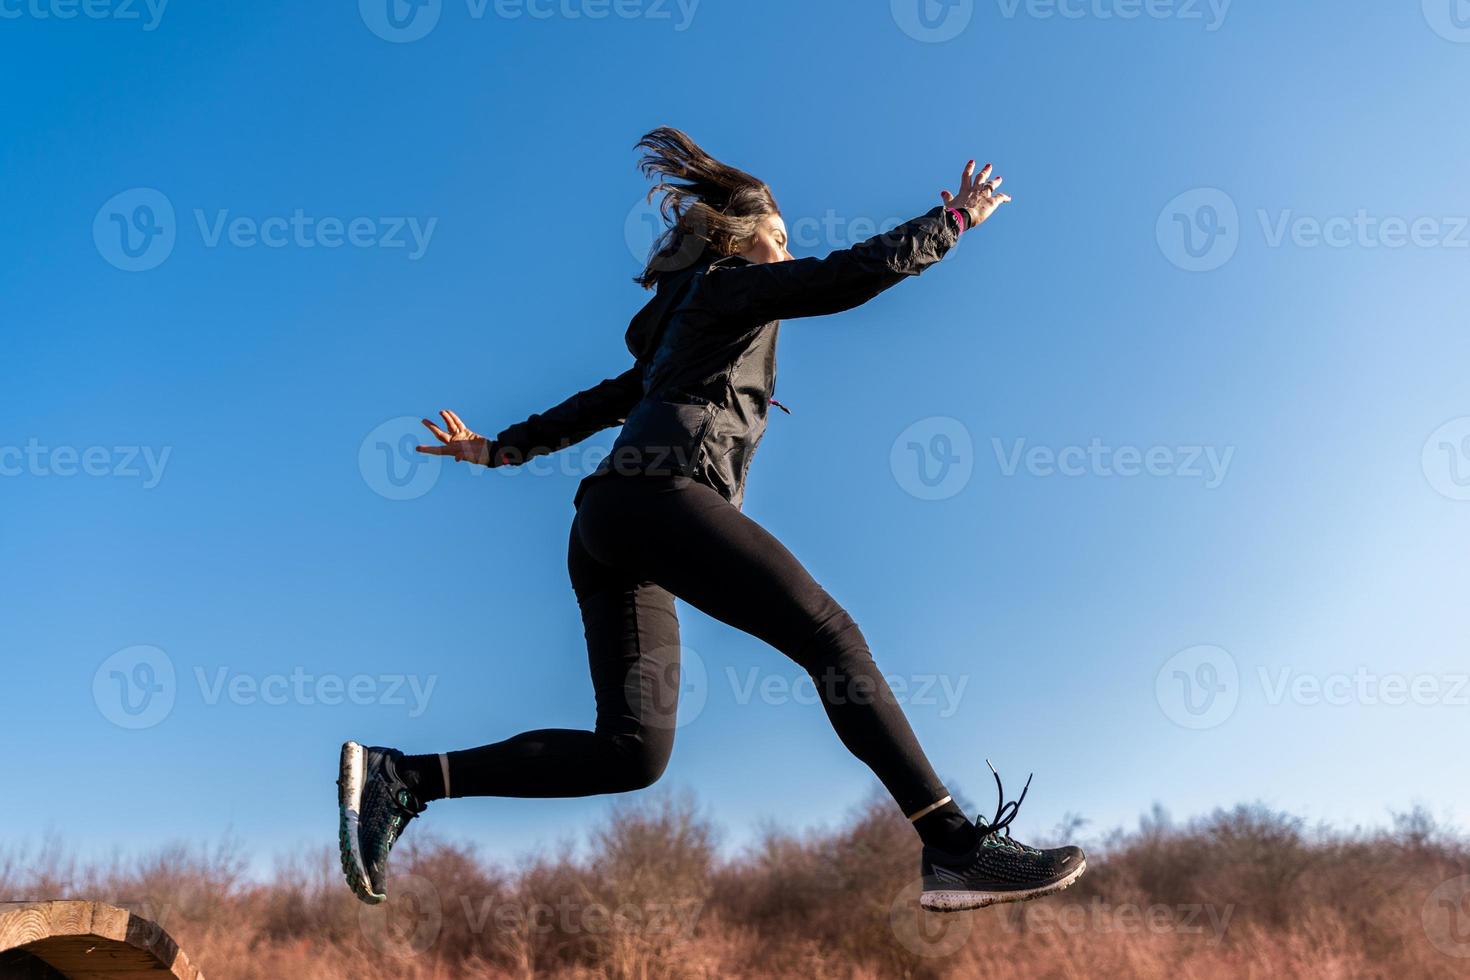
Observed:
{"x":92,"y":941}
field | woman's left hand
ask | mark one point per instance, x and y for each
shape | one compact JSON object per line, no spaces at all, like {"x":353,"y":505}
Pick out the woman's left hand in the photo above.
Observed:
{"x":460,"y":442}
{"x":979,"y":195}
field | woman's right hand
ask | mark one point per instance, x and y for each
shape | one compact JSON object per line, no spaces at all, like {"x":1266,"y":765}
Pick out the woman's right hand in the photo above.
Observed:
{"x":978,"y":196}
{"x":459,"y":441}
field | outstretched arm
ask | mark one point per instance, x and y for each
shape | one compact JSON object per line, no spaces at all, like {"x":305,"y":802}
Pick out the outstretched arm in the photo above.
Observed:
{"x":599,"y":407}
{"x":850,"y":277}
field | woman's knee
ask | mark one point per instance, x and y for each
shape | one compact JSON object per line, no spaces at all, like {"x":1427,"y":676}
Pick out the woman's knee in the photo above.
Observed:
{"x":644,"y":759}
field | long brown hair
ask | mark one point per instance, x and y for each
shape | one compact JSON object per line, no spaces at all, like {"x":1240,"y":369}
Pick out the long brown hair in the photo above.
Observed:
{"x":709,"y":206}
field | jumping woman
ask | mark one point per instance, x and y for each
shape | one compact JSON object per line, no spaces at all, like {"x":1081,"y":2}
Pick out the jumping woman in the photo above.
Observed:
{"x":661,"y":518}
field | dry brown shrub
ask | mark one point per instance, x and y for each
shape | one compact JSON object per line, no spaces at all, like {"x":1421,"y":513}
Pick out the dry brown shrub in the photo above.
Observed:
{"x":1244,"y":892}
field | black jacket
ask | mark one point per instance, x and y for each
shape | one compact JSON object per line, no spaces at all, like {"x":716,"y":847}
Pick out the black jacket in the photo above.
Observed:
{"x":694,"y":403}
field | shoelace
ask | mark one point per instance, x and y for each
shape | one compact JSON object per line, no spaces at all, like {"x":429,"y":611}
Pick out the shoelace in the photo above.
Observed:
{"x":999,"y":826}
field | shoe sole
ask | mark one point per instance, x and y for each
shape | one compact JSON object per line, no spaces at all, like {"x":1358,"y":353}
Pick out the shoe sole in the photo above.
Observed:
{"x":351,"y":777}
{"x":950,"y":900}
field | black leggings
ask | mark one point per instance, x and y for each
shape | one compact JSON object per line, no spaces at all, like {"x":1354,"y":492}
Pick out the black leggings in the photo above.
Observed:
{"x":636,"y":543}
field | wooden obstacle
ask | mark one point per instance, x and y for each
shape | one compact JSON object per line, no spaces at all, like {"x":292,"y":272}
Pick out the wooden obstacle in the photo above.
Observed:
{"x":86,"y":941}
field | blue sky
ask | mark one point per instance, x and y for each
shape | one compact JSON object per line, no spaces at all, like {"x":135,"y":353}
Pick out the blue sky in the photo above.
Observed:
{"x":1185,"y":523}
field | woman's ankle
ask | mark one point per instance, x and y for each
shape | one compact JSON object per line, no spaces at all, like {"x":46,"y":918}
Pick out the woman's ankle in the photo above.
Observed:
{"x":428,"y":775}
{"x":947,"y":829}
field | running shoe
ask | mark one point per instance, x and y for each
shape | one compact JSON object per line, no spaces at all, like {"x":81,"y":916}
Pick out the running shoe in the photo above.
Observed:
{"x":374,"y":804}
{"x":997,"y":869}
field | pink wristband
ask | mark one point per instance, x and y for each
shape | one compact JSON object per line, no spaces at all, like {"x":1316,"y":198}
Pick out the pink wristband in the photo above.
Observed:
{"x":959,"y":218}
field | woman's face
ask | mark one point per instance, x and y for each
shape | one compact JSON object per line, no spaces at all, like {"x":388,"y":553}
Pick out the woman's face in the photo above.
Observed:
{"x":769,"y":242}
